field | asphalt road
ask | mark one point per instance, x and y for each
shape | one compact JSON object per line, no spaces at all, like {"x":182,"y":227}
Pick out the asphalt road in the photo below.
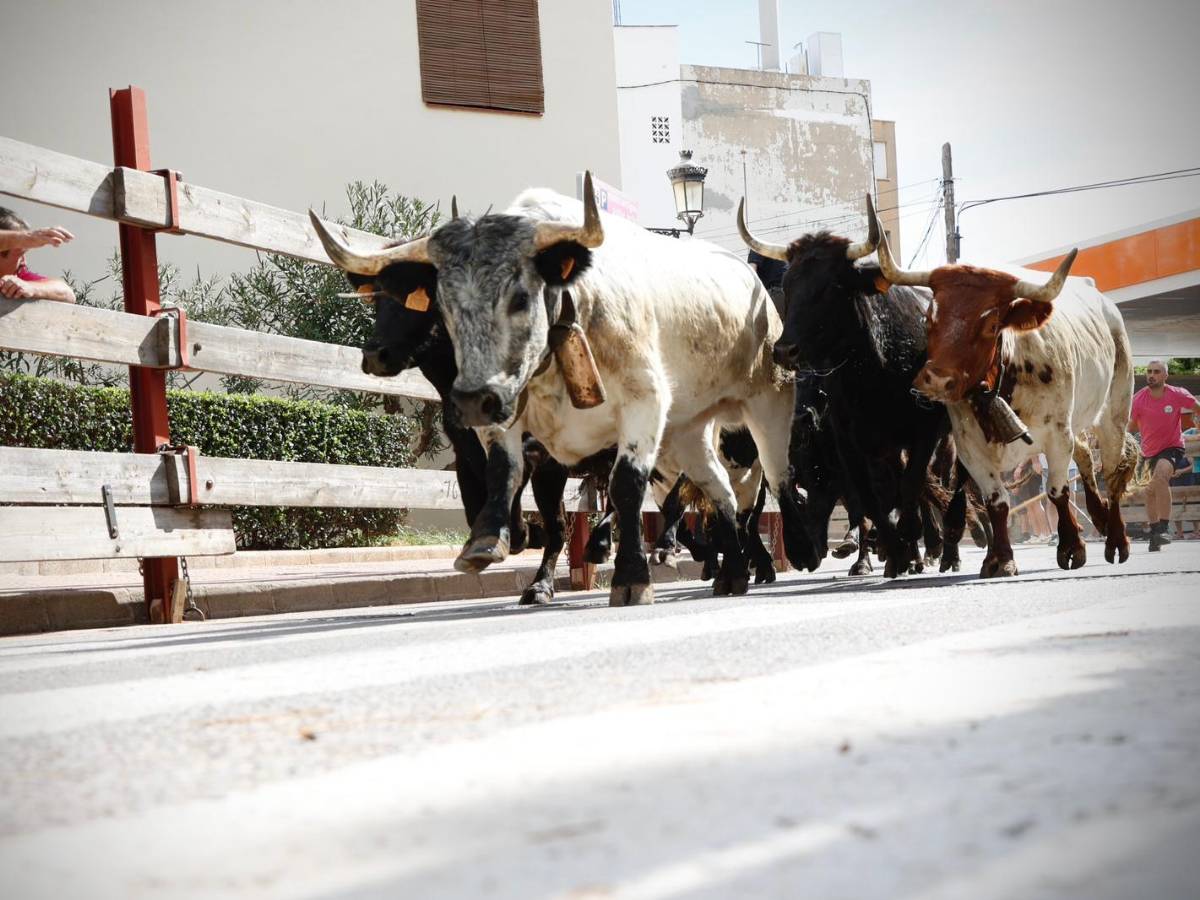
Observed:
{"x":934,"y":737}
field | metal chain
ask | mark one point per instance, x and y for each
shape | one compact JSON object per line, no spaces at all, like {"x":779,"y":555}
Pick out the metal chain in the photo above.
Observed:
{"x":190,"y":610}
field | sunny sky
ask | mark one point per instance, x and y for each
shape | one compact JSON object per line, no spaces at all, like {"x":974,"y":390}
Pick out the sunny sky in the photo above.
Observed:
{"x":1031,"y":95}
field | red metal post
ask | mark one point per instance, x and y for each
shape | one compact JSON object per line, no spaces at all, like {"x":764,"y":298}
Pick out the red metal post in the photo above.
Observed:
{"x":775,"y":532}
{"x":139,"y":265}
{"x":583,"y":573}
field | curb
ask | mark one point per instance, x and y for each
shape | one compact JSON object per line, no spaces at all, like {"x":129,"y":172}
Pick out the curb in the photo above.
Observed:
{"x":64,"y":608}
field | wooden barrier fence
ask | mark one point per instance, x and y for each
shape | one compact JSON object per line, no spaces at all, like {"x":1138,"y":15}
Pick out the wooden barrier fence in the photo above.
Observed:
{"x":157,"y":503}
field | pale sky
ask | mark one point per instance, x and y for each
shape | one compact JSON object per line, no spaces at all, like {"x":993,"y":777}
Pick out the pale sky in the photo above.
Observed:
{"x":1031,"y":96}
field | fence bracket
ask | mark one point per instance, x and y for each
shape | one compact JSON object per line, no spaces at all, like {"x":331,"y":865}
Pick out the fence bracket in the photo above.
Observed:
{"x":189,"y":453}
{"x":110,"y":511}
{"x":172,"y":178}
{"x":173,"y":337}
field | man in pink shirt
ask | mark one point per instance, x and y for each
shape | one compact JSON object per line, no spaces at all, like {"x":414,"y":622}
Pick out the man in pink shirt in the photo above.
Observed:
{"x":1156,"y":414}
{"x":16,"y":281}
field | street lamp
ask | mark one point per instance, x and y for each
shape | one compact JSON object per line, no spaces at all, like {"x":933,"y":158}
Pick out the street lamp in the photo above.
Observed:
{"x":687,"y":181}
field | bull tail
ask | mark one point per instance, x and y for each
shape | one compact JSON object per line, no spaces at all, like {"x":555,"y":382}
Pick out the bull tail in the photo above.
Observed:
{"x":1132,"y":473}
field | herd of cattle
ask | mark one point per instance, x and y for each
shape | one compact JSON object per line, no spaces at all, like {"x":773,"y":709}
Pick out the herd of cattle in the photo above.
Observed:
{"x":883,"y":389}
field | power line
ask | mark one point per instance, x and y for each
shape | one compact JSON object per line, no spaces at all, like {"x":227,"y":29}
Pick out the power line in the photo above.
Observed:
{"x":928,"y":231}
{"x":1094,"y":186}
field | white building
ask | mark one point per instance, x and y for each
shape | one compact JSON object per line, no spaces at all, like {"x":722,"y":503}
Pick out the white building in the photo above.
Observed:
{"x":799,"y":146}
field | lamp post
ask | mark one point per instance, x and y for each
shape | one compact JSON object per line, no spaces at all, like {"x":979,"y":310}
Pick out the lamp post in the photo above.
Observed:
{"x":687,"y":181}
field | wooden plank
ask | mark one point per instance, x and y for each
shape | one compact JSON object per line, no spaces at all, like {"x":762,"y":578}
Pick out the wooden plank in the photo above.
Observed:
{"x":81,"y":532}
{"x":128,"y":195}
{"x":231,"y":351}
{"x":45,"y":176}
{"x":64,"y":329}
{"x":102,"y":335}
{"x":72,"y":476}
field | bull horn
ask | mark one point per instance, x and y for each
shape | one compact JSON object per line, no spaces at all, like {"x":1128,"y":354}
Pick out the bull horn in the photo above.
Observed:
{"x":590,"y":234}
{"x":770,"y":251}
{"x":343,"y":257}
{"x":893,"y":273}
{"x":454,"y":206}
{"x":1048,"y":291}
{"x":864,"y":248}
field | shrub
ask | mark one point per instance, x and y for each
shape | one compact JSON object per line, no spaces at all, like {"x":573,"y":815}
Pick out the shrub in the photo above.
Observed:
{"x":43,"y":413}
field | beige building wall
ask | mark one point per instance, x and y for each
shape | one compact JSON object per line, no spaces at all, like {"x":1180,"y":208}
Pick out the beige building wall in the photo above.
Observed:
{"x":287,"y":102}
{"x":798,"y":146}
{"x":883,"y":134}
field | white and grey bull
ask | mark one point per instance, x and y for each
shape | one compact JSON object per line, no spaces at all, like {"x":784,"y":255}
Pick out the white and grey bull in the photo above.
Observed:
{"x":682,"y":334}
{"x":1059,"y":354}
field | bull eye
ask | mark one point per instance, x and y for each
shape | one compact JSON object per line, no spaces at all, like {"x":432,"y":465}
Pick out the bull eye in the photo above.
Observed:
{"x":519,"y":302}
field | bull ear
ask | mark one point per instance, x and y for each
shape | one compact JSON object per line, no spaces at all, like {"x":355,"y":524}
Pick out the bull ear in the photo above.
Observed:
{"x":561,"y":263}
{"x":414,"y":284}
{"x":1024,"y":314}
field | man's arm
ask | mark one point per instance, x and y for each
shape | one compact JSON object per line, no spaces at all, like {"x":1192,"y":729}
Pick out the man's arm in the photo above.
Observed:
{"x":15,"y":288}
{"x":36,"y":237}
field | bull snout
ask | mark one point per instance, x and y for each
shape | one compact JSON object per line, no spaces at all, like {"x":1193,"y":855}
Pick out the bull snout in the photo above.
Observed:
{"x":480,"y":407}
{"x":936,"y":383}
{"x":786,"y":354}
{"x":378,"y":361}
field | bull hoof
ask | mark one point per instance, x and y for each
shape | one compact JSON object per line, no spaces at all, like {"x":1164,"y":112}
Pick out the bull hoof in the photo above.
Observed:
{"x":997,"y":568}
{"x":480,"y":553}
{"x":844,"y":549}
{"x":916,"y":567}
{"x":1115,"y":549}
{"x":1071,"y":557}
{"x":739,"y":585}
{"x":862,"y":567}
{"x":931,"y":560}
{"x":764,"y":575}
{"x":950,"y":563}
{"x":706,"y":572}
{"x":537,"y":595}
{"x":660,"y":556}
{"x":631,"y":595}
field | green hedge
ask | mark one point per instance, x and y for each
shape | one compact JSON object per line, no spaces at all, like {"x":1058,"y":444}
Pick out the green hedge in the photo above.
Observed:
{"x":39,"y":412}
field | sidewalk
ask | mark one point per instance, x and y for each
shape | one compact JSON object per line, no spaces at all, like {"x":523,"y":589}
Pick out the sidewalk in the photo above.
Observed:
{"x":263,"y":583}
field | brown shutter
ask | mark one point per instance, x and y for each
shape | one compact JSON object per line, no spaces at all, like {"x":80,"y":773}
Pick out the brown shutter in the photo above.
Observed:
{"x":484,"y":53}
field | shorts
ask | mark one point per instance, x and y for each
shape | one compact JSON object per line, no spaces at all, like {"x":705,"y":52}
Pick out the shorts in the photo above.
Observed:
{"x":1175,"y":455}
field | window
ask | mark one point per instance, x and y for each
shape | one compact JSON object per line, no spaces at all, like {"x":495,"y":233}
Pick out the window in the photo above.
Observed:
{"x":881,"y":167}
{"x":660,"y":129}
{"x":481,"y":53}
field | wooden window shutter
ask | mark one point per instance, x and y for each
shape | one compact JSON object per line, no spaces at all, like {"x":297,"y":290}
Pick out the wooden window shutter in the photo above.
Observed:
{"x":482,"y":53}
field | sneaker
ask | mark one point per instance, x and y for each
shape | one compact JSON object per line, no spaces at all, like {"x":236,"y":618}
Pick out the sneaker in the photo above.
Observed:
{"x":1156,"y":543}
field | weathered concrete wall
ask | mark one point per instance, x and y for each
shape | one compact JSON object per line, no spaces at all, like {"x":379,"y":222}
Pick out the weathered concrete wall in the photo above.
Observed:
{"x":647,"y":65}
{"x":807,"y":143}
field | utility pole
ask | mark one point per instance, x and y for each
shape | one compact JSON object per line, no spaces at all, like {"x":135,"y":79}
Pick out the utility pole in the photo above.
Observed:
{"x":952,"y":235}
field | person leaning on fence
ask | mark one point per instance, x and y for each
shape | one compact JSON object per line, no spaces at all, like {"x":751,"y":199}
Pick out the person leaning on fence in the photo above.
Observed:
{"x":1157,"y":412}
{"x":16,"y":281}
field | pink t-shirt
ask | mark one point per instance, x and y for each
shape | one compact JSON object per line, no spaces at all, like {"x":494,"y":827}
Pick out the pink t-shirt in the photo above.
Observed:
{"x":1158,"y":418}
{"x":25,"y":275}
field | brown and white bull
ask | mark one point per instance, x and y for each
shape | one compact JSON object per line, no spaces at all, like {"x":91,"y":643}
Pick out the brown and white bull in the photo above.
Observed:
{"x":682,"y":333}
{"x":1059,"y":355}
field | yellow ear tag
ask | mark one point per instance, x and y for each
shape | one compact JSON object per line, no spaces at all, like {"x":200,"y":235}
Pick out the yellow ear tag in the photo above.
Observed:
{"x":367,"y":293}
{"x":418,"y":300}
{"x":568,"y":266}
{"x":882,"y":284}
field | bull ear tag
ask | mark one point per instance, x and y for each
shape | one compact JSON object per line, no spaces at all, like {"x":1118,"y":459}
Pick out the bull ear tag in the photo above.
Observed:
{"x":417,"y":300}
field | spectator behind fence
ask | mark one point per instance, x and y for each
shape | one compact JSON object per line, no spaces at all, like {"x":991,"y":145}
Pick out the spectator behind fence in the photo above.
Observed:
{"x":16,"y":281}
{"x":1156,"y":416}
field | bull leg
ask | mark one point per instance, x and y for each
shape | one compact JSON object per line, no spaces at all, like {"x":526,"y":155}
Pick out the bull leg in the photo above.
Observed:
{"x":862,"y":565}
{"x":760,"y":557}
{"x":694,"y":452}
{"x":549,"y":482}
{"x":955,"y":523}
{"x":1119,"y":454}
{"x":1072,"y":553}
{"x":768,"y":415}
{"x":931,"y":533}
{"x":1096,"y":507}
{"x":470,"y":469}
{"x":599,"y":544}
{"x":672,"y":510}
{"x":490,"y":535}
